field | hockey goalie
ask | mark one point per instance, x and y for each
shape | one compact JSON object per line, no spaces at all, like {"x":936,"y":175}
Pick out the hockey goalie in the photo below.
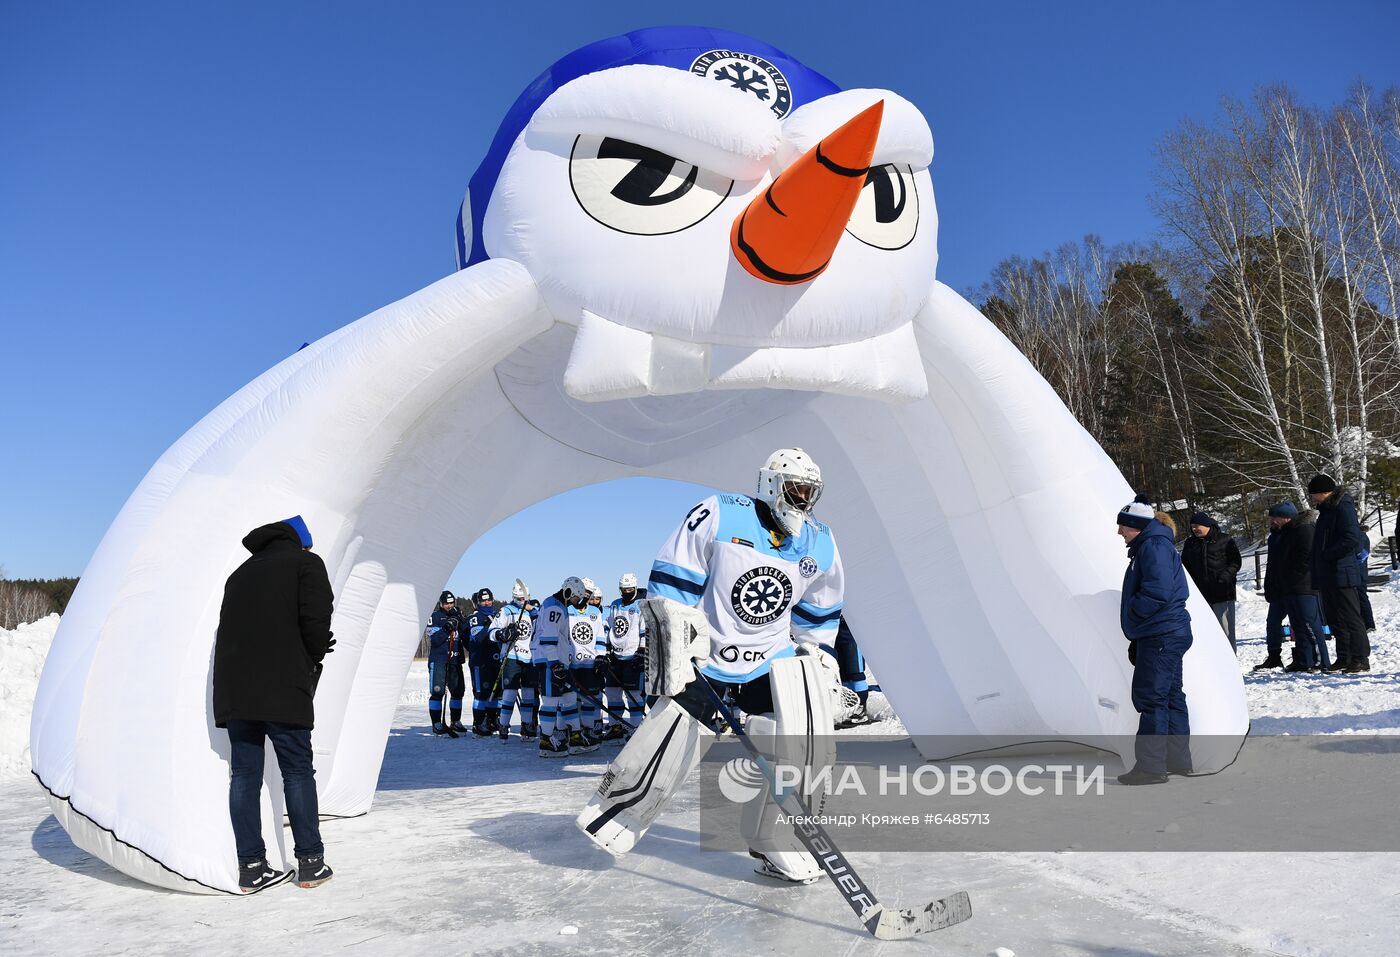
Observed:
{"x":739,"y":597}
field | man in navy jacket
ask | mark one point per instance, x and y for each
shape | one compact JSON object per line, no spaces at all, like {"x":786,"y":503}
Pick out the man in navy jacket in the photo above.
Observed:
{"x":1336,"y":574}
{"x":1158,"y":627}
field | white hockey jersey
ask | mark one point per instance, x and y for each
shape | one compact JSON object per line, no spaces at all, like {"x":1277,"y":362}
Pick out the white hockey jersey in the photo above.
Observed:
{"x":521,"y":648}
{"x":550,"y":628}
{"x":758,"y":591}
{"x":587,"y":637}
{"x":626,"y":634}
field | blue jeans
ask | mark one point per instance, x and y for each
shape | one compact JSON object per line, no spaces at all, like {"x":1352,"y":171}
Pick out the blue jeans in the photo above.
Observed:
{"x":293,"y":748}
{"x":1305,"y":615}
{"x":1164,"y":728}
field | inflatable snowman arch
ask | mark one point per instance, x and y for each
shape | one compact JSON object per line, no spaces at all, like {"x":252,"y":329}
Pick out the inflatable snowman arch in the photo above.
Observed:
{"x":683,"y":250}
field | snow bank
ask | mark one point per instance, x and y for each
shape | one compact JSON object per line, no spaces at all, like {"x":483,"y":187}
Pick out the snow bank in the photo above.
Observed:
{"x":22,"y":653}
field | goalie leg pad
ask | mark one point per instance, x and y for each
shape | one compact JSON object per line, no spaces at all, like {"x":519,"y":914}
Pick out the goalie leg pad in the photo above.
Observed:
{"x":640,"y":781}
{"x":676,"y":635}
{"x":798,"y":739}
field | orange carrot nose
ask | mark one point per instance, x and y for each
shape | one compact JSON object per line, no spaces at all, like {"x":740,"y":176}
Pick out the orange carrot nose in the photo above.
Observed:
{"x":788,"y":234}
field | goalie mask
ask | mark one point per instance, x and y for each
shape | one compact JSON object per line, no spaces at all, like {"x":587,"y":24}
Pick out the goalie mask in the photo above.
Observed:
{"x":789,"y":484}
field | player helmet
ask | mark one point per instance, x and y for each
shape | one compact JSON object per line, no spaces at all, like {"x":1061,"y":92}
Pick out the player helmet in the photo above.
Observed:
{"x":789,"y":484}
{"x":628,"y":581}
{"x":520,"y":591}
{"x":592,"y":588}
{"x":573,"y":589}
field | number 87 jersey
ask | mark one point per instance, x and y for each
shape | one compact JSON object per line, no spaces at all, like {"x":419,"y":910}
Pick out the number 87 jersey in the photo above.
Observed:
{"x":755,"y":587}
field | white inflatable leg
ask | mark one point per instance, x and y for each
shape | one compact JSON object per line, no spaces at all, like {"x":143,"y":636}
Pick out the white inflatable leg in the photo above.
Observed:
{"x":657,"y":759}
{"x":797,"y":735}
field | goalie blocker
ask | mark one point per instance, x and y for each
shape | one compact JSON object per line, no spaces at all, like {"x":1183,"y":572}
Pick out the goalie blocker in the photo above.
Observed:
{"x":790,"y":719}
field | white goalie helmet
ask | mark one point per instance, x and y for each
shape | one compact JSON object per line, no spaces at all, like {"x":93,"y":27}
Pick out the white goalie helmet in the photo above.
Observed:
{"x":520,"y":591}
{"x":573,"y":589}
{"x":790,"y":484}
{"x":627,"y":582}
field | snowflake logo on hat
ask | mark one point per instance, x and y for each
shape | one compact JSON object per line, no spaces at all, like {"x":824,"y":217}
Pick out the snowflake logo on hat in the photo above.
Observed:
{"x":749,"y":74}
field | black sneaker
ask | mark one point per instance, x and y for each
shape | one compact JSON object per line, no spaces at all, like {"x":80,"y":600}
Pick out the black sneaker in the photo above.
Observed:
{"x":1273,"y":661}
{"x":1137,"y":776}
{"x":1339,"y":665}
{"x":1358,"y":665}
{"x":259,"y":876}
{"x":313,"y":871}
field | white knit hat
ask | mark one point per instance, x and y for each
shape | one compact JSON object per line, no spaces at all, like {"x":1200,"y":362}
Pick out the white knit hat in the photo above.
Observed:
{"x":1136,"y":515}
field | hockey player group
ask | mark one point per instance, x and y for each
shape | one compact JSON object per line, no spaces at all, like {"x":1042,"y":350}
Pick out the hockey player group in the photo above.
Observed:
{"x":563,"y":663}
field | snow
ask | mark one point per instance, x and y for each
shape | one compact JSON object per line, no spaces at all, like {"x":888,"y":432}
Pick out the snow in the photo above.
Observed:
{"x":22,"y":654}
{"x":471,"y":848}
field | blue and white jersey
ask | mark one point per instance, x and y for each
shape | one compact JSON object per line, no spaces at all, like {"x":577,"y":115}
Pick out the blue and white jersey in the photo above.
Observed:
{"x":587,"y":637}
{"x":626,"y":634}
{"x":758,"y":590}
{"x":514,"y":614}
{"x":550,"y":629}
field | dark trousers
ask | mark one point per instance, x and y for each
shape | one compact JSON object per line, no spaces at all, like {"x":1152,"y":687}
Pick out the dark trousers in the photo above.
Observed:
{"x":1274,"y":630}
{"x":1306,"y":618}
{"x":293,"y":748}
{"x":486,"y":669}
{"x":1342,"y":608}
{"x":1163,"y":725}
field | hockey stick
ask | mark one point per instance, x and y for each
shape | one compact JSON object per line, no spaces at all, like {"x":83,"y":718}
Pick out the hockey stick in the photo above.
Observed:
{"x":619,"y":716}
{"x":885,"y":924}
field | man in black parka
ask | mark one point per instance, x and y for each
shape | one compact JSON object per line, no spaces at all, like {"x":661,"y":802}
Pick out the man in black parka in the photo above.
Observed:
{"x":1336,"y":574}
{"x":274,"y":629}
{"x":1212,"y":559}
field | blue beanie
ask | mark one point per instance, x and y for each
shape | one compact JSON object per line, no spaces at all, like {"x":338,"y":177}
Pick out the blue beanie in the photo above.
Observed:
{"x":1284,"y":510}
{"x":299,"y":526}
{"x":1201,"y":518}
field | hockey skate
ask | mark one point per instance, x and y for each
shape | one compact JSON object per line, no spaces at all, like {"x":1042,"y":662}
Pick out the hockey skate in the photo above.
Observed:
{"x":504,"y":731}
{"x":459,"y":727}
{"x":553,"y":746}
{"x":581,"y":742}
{"x":767,"y":868}
{"x":615,"y":734}
{"x":441,"y":728}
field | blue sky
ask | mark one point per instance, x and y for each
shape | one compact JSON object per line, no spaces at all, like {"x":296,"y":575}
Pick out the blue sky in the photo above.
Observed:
{"x":190,"y":191}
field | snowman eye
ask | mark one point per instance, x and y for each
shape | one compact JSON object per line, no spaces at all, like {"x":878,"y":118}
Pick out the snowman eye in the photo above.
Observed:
{"x":887,"y":211}
{"x":639,"y":190}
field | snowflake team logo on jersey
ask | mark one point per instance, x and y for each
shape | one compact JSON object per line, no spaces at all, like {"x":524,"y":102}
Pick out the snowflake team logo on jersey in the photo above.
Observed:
{"x":761,"y":595}
{"x":808,"y":566}
{"x":620,"y":626}
{"x":582,"y":633}
{"x":523,"y":627}
{"x":749,"y":73}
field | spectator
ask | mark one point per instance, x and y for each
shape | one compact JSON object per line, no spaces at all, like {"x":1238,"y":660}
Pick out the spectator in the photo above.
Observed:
{"x":274,"y":629}
{"x":1336,"y":574}
{"x":1288,"y":588}
{"x":1364,"y":557}
{"x":1158,"y":629}
{"x":1212,"y":559}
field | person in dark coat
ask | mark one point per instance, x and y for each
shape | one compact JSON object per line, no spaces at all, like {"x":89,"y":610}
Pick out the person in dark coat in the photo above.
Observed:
{"x":274,"y":630}
{"x":1336,"y":574}
{"x":1158,"y":628}
{"x":1212,"y":559}
{"x":1288,"y":589}
{"x":1363,"y":558}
